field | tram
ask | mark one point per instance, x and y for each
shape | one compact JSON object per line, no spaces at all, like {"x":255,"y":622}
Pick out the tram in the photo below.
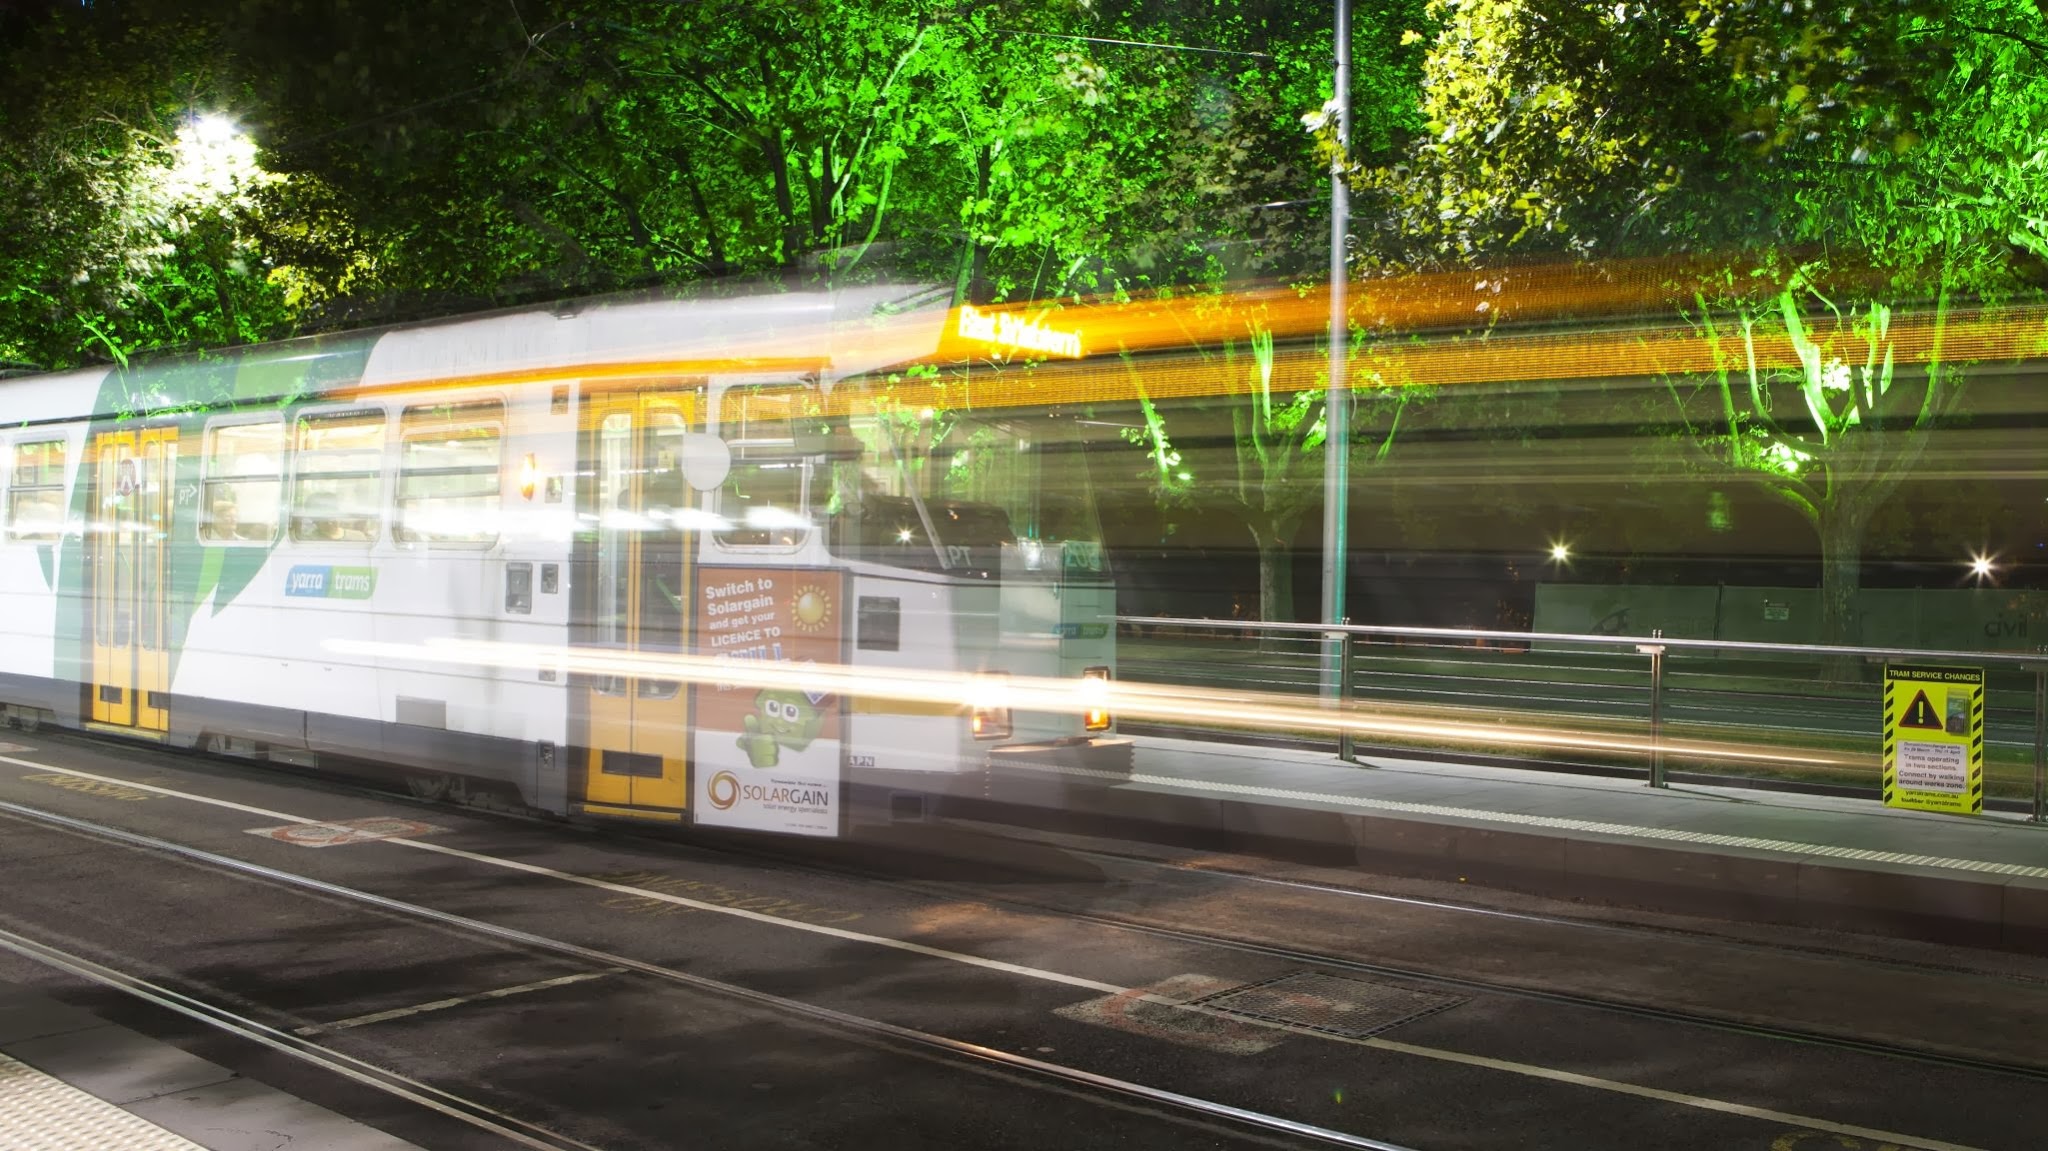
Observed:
{"x":270,"y":553}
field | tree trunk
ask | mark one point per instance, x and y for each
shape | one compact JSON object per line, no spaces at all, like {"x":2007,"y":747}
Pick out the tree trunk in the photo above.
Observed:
{"x":1276,"y":585}
{"x":1841,"y":577}
{"x":714,"y":247}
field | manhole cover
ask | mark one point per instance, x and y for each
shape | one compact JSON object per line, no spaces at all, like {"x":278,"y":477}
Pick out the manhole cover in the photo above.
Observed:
{"x":1353,"y":1007}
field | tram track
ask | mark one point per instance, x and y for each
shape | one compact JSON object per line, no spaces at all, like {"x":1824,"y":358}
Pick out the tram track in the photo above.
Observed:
{"x":1214,"y":940}
{"x":637,"y":833}
{"x":1579,"y":923}
{"x":1468,"y":984}
{"x":1174,"y":1106}
{"x":1340,"y":963}
{"x":1336,"y":963}
{"x":326,"y":1058}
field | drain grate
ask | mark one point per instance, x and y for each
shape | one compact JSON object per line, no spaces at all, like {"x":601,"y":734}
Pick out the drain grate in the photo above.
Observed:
{"x":1351,"y":1007}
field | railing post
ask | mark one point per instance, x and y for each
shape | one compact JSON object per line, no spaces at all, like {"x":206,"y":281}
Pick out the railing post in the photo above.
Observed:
{"x":1656,"y":653}
{"x":1347,"y":741}
{"x":2041,"y":743}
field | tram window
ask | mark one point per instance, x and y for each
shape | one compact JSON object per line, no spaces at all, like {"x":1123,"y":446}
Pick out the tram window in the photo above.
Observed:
{"x":764,"y":501}
{"x":337,"y":486}
{"x":35,"y":491}
{"x":880,"y":623}
{"x":244,"y":484}
{"x":448,"y":473}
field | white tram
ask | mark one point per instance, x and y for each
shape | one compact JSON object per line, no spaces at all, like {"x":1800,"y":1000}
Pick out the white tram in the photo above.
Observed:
{"x":274,"y":553}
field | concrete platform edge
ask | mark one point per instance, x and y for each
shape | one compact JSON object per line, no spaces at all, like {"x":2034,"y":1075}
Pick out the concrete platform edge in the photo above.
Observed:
{"x":1754,"y":887}
{"x":163,"y":1085}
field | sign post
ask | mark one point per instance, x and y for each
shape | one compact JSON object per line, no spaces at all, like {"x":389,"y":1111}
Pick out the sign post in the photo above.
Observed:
{"x":1934,"y":738}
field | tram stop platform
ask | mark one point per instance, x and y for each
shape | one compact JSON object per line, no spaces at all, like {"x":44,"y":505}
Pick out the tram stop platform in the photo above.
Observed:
{"x":70,"y":1081}
{"x":1732,"y":853}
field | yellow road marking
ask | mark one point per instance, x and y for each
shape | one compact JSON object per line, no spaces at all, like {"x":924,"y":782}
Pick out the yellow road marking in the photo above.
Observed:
{"x":101,"y":788}
{"x":1826,"y":1141}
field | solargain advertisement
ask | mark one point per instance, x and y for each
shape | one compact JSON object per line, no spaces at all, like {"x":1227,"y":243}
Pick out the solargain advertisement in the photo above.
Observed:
{"x":768,"y":759}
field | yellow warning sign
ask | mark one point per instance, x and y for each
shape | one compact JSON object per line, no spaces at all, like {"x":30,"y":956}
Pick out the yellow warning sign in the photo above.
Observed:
{"x":1934,"y":738}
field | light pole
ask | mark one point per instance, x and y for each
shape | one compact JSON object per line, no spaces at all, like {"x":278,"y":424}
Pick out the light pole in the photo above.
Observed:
{"x":1337,"y":403}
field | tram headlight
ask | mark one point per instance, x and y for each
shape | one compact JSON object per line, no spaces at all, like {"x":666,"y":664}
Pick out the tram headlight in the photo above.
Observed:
{"x":990,"y":718}
{"x":1095,"y":689}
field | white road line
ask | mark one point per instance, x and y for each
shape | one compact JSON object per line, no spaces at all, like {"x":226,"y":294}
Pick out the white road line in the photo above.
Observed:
{"x":150,"y":787}
{"x":1701,"y":1102}
{"x":628,"y":889}
{"x":761,"y":917}
{"x":1530,"y":1070}
{"x":457,"y":1001}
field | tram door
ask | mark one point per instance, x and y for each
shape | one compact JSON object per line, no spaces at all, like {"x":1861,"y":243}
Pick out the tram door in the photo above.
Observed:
{"x":133,"y":482}
{"x":637,"y":597}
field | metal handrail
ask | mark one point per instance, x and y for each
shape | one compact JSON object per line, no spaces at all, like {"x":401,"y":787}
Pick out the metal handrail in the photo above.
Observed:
{"x":1654,"y":646}
{"x":2021,"y":659}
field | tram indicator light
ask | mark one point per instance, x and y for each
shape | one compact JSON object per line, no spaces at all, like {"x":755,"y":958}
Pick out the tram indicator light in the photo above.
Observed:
{"x":1095,"y":681}
{"x":990,"y":718}
{"x":990,"y":723}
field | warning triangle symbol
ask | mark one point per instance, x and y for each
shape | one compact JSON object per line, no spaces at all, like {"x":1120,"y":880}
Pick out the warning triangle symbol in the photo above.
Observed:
{"x":1920,"y":713}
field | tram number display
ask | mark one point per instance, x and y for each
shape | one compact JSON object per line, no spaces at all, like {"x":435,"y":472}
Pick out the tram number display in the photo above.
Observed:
{"x":767,"y":758}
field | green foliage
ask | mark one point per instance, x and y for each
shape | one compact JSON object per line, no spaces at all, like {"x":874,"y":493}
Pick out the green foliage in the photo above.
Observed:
{"x":437,"y":157}
{"x":1831,"y":437}
{"x":125,"y":231}
{"x":1830,"y":431}
{"x":1902,"y":136}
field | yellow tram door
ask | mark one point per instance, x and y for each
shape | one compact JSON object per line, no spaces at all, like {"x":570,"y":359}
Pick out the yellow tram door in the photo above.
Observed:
{"x":133,"y":484}
{"x":637,"y":599}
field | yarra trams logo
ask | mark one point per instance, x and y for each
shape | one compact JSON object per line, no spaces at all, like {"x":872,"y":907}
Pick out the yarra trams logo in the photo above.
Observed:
{"x":324,"y":581}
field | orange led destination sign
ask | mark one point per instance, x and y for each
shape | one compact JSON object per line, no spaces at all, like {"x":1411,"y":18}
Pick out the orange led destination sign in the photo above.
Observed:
{"x":1008,"y":330}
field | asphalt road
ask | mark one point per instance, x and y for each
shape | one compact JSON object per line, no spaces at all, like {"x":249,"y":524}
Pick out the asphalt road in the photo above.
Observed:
{"x":721,"y":993}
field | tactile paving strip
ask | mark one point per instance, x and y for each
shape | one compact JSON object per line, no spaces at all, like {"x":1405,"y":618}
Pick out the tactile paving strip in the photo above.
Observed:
{"x":1351,"y":1007}
{"x":42,"y":1113}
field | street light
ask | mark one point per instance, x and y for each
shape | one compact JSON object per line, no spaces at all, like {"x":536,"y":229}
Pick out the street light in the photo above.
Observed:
{"x":1560,"y":552}
{"x":212,"y":162}
{"x":213,"y":129}
{"x":1981,"y":566}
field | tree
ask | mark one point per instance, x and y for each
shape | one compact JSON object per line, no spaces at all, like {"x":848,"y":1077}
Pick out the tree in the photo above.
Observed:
{"x":136,"y":221}
{"x":436,"y":158}
{"x":1272,"y":477}
{"x":1829,"y":168}
{"x":587,"y":144}
{"x":1830,"y":438}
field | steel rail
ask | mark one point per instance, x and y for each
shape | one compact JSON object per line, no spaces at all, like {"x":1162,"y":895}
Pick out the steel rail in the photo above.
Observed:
{"x":1472,"y":984}
{"x":348,"y":1066}
{"x":974,"y":1052}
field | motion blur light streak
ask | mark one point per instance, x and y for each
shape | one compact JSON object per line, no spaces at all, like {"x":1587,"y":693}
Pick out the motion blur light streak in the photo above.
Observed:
{"x":1157,"y":702}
